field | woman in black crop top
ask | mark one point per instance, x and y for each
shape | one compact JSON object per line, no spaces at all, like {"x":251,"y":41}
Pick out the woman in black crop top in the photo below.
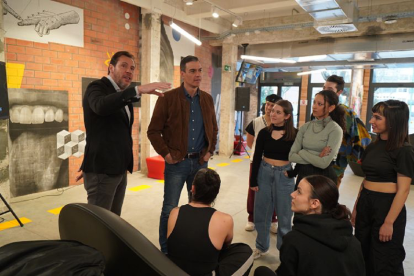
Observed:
{"x":379,"y":214}
{"x":199,"y":237}
{"x":267,"y":178}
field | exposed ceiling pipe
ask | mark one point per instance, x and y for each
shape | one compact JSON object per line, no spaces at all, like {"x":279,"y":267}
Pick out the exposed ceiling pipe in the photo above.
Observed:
{"x":371,"y":18}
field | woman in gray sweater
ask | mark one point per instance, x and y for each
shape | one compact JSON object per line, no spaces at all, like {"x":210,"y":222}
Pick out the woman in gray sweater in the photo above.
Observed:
{"x":317,"y":142}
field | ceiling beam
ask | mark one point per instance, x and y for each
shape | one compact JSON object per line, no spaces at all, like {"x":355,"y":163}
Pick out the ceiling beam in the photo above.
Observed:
{"x":240,"y":7}
{"x":158,"y":6}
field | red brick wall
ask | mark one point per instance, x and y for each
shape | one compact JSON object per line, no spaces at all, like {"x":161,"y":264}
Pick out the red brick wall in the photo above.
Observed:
{"x":303,"y":96}
{"x":364,"y":109}
{"x":60,"y":67}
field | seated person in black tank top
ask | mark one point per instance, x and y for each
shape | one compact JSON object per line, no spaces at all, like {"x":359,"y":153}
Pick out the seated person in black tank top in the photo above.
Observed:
{"x":199,"y":237}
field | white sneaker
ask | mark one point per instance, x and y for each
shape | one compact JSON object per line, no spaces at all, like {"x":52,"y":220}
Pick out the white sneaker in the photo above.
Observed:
{"x":273,"y":227}
{"x":249,"y":226}
{"x":257,"y":253}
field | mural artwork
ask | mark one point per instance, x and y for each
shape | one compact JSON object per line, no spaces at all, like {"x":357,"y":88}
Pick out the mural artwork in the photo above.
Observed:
{"x":36,"y":117}
{"x":43,"y":21}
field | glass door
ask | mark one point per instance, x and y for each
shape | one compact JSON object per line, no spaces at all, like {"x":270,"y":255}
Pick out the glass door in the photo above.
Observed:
{"x":291,"y":93}
{"x":404,"y":94}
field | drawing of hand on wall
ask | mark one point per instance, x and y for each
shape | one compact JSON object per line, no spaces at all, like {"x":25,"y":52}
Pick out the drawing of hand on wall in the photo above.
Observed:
{"x":46,"y":21}
{"x":8,"y":9}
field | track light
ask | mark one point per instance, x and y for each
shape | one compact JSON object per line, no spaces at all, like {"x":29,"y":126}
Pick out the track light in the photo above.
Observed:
{"x":184,"y":33}
{"x":310,"y":72}
{"x":266,"y":59}
{"x":237,"y":22}
{"x":189,"y":2}
{"x":214,"y":12}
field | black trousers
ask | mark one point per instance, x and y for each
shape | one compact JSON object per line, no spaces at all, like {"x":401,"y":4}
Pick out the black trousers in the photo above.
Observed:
{"x":308,"y":169}
{"x":381,"y":258}
{"x":236,"y":259}
{"x":106,"y":191}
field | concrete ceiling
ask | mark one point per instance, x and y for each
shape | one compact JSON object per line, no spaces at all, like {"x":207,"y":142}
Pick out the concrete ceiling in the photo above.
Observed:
{"x":269,"y":22}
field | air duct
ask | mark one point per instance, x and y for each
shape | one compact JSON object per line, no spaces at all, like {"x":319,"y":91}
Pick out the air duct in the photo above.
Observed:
{"x":332,"y":16}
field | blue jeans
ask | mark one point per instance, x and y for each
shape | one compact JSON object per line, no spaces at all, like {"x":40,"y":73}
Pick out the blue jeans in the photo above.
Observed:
{"x":273,"y":195}
{"x":174,"y":177}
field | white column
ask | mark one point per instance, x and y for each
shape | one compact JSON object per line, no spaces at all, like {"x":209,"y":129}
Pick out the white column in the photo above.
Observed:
{"x":150,"y":72}
{"x":227,"y":101}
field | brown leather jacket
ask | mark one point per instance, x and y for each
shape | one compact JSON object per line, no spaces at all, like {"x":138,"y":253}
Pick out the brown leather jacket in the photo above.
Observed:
{"x":168,"y":130}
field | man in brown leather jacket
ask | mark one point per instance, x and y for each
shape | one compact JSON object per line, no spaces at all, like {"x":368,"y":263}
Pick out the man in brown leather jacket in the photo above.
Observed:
{"x":183,"y":130}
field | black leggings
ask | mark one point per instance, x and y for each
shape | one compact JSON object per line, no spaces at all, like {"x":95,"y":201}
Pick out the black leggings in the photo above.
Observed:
{"x":381,"y":258}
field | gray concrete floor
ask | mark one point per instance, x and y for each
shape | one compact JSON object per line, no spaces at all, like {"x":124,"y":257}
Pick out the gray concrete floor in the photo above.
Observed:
{"x":142,"y":209}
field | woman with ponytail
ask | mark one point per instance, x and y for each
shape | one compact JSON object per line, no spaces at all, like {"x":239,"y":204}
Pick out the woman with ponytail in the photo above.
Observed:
{"x":199,"y":237}
{"x":321,"y":241}
{"x":318,"y":141}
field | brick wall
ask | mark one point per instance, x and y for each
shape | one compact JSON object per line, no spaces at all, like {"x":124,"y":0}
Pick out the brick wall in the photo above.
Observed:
{"x":60,"y":67}
{"x":367,"y":76}
{"x":303,"y":96}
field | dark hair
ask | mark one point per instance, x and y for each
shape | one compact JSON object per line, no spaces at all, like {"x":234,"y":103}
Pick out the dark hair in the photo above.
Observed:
{"x":338,"y":114}
{"x":340,"y":83}
{"x":273,"y":98}
{"x":290,"y":130}
{"x":117,"y":55}
{"x":325,"y":190}
{"x":186,"y":60}
{"x":396,"y":115}
{"x":207,"y":186}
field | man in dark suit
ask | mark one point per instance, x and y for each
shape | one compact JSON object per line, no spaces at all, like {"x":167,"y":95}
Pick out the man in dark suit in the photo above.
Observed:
{"x":108,"y":115}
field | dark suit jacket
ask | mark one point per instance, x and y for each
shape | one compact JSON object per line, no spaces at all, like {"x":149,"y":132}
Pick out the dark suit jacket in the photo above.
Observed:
{"x":108,"y":130}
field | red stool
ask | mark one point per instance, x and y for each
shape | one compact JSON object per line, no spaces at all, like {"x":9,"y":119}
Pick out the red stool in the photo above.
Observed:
{"x":156,"y":167}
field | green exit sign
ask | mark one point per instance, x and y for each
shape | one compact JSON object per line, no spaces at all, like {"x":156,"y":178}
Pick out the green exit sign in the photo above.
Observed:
{"x":227,"y":68}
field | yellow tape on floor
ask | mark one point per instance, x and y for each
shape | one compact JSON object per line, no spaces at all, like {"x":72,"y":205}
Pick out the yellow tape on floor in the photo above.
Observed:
{"x":139,"y":188}
{"x":160,"y":181}
{"x":211,"y":168}
{"x":55,"y":211}
{"x":222,"y":164}
{"x":236,"y":160}
{"x":13,"y":223}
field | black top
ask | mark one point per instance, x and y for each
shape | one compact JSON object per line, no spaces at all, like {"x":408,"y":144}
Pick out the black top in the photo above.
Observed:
{"x":189,"y":245}
{"x":270,"y":148}
{"x":320,"y":245}
{"x":380,"y":165}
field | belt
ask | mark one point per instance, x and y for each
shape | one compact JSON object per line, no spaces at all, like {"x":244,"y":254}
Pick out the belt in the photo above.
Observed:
{"x":193,"y":155}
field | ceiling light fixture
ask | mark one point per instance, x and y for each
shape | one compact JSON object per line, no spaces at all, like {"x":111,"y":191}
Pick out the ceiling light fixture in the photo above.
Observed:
{"x":184,"y":33}
{"x":214,"y":12}
{"x":310,"y":72}
{"x":237,"y":22}
{"x":311,"y":58}
{"x":189,"y":2}
{"x":266,"y":59}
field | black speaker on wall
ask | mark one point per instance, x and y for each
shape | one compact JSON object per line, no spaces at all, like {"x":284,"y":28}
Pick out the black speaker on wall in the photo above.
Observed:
{"x":4,"y":99}
{"x":242,"y":98}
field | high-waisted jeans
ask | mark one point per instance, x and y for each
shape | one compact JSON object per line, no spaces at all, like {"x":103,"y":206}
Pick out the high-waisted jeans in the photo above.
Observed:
{"x":273,"y":195}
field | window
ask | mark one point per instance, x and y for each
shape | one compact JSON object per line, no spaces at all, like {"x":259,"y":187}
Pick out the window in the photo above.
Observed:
{"x":316,"y":82}
{"x":392,"y":84}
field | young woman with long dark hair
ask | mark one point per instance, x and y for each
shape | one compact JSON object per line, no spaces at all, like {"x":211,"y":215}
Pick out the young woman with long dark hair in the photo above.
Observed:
{"x":318,"y":141}
{"x":321,"y":241}
{"x":268,"y":179}
{"x":379,"y":213}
